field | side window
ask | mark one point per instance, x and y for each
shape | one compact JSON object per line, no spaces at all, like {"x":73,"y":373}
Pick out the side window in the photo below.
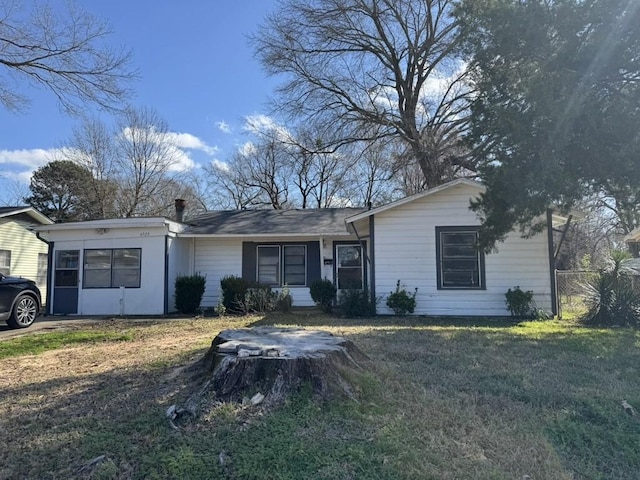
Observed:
{"x":460,"y":263}
{"x":5,"y":262}
{"x":41,"y":275}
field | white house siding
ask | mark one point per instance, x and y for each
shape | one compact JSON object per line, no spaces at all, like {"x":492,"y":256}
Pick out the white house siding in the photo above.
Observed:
{"x":146,"y":300}
{"x":180,"y":251}
{"x":24,"y":247}
{"x":405,"y":250}
{"x":216,"y":258}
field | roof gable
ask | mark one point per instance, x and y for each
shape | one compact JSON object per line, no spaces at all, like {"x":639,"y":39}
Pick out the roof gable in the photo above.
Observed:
{"x":27,"y":210}
{"x":417,"y":196}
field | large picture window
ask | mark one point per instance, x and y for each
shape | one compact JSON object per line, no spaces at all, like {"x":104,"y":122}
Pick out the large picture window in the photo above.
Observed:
{"x":5,"y":262}
{"x":280,"y":265}
{"x":460,"y":262}
{"x":112,"y":268}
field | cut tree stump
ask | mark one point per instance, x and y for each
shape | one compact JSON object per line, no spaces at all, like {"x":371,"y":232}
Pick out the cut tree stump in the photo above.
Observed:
{"x":277,"y":361}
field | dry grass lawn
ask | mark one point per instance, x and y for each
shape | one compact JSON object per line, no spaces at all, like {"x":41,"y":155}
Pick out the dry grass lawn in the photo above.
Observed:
{"x":538,"y":400}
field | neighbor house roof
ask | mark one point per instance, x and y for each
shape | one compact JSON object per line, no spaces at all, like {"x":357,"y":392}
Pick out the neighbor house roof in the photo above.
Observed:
{"x":32,"y":212}
{"x":299,"y":222}
{"x":634,"y":236}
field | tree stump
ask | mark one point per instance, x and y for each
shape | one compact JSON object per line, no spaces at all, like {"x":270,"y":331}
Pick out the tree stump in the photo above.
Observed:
{"x":277,"y":361}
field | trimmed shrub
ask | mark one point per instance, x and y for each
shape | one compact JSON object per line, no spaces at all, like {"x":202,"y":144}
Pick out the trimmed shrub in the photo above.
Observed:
{"x":234,"y":291}
{"x":402,"y":302}
{"x":356,"y":303}
{"x":323,"y":293}
{"x":189,"y":290}
{"x":520,"y":303}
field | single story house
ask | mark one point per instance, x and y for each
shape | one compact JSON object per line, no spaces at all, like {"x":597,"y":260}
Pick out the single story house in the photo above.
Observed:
{"x":427,"y":241}
{"x":22,"y":252}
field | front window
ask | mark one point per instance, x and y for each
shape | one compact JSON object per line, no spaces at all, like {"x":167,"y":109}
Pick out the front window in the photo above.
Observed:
{"x":460,"y":262}
{"x":295,"y":265}
{"x":5,"y":262}
{"x":280,"y":265}
{"x":269,"y":265}
{"x":112,"y":268}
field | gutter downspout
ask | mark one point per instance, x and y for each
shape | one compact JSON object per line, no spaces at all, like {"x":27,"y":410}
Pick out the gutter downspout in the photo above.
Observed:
{"x":166,"y":274}
{"x":47,"y":300}
{"x":372,"y":263}
{"x":552,"y":264}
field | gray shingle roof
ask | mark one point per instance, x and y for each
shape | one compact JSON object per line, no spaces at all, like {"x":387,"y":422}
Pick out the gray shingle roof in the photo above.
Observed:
{"x":325,"y":221}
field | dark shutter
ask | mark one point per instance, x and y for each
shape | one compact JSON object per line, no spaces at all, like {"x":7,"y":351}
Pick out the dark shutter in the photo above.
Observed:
{"x":313,"y":262}
{"x":249,"y":265}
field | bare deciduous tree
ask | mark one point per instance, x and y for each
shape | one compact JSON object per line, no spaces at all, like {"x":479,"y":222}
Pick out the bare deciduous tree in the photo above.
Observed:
{"x":92,"y":146}
{"x":63,"y":52}
{"x":374,"y":69}
{"x":145,"y":155}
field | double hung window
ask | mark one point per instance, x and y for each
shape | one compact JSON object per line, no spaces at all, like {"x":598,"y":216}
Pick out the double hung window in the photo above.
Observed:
{"x":280,"y":265}
{"x":460,"y":262}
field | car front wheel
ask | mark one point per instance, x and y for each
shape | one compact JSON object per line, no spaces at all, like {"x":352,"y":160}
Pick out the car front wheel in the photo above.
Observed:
{"x":24,"y":312}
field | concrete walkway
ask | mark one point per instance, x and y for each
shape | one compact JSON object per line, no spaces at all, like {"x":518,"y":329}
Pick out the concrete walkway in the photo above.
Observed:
{"x":52,"y":324}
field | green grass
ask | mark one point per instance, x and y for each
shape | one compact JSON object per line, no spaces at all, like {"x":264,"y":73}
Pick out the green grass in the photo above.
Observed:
{"x":34,"y":344}
{"x":441,"y":399}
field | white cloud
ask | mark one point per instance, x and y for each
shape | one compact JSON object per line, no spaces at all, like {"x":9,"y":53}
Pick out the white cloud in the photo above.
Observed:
{"x":23,"y":177}
{"x":190,"y":142}
{"x":33,"y":158}
{"x":223,"y":126}
{"x":265,"y":125}
{"x":177,"y":146}
{"x":220,"y":165}
{"x":247,"y":148}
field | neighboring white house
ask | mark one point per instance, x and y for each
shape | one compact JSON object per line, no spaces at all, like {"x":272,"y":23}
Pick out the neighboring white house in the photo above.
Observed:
{"x":22,"y":253}
{"x":427,"y":241}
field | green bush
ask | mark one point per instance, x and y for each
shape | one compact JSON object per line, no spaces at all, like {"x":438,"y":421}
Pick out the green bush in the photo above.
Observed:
{"x":323,"y":293}
{"x":402,"y":302}
{"x":520,"y":303}
{"x":234,"y":291}
{"x":189,"y":290}
{"x":356,"y":303}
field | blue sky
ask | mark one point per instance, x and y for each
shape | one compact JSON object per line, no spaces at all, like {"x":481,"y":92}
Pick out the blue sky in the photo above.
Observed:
{"x":196,"y":69}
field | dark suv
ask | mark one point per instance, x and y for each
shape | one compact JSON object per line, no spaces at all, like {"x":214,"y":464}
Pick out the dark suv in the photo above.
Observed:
{"x":20,"y":301}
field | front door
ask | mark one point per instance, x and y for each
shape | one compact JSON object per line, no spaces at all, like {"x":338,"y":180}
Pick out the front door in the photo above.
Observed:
{"x":65,"y":282}
{"x":349,"y":273}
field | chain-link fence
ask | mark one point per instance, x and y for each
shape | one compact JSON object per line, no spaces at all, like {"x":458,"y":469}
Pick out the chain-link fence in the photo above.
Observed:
{"x":571,"y":286}
{"x":571,"y":290}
